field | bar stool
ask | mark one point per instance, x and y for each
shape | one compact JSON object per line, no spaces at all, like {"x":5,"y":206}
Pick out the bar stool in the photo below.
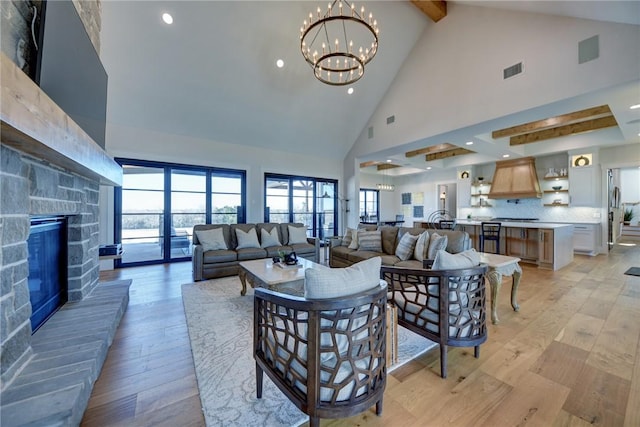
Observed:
{"x":490,"y":231}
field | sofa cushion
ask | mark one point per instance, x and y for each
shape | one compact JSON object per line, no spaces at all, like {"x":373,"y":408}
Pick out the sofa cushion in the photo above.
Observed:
{"x":354,"y":238}
{"x":219,"y":256}
{"x":436,"y":242}
{"x":297,"y":235}
{"x":422,"y":245}
{"x":390,"y":260}
{"x":251,"y":253}
{"x":357,"y":256}
{"x":348,"y":237}
{"x":410,"y":263}
{"x":370,"y":241}
{"x":389,"y":238}
{"x":225,"y":232}
{"x":234,"y":235}
{"x":406,"y":246}
{"x":322,"y":282}
{"x":211,"y":239}
{"x":443,"y":260}
{"x":248,"y":239}
{"x":269,"y":239}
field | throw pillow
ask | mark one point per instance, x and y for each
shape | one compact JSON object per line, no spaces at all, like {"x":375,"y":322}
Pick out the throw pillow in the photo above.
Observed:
{"x":406,"y":246}
{"x":212,"y":239}
{"x":269,"y":239}
{"x":446,"y":261}
{"x":420,"y":252}
{"x":323,"y":282}
{"x":436,"y":242}
{"x":370,"y":241}
{"x":354,"y":239}
{"x":297,"y":235}
{"x":248,"y":239}
{"x":348,"y":237}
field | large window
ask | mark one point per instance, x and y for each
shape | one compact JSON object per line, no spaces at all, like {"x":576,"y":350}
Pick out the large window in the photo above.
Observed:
{"x":369,"y":205}
{"x":311,"y":201}
{"x":159,"y":203}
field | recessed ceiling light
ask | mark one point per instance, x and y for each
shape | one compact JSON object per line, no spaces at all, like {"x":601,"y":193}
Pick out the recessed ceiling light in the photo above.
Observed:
{"x":279,"y":63}
{"x":428,"y":168}
{"x":633,"y":107}
{"x":350,"y":90}
{"x":389,"y":160}
{"x":505,"y":155}
{"x":469,"y":142}
{"x":167,"y":18}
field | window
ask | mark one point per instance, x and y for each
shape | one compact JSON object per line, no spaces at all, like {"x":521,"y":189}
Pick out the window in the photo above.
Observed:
{"x":159,"y":203}
{"x":369,"y":205}
{"x":311,"y":201}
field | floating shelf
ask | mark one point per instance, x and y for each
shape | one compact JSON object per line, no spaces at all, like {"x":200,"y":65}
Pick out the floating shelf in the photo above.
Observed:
{"x":555,"y":178}
{"x":555,"y":191}
{"x":556,"y":204}
{"x":481,"y":206}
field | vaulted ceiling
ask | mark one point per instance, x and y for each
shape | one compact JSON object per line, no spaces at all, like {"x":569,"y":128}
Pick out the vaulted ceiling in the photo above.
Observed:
{"x":212,"y":75}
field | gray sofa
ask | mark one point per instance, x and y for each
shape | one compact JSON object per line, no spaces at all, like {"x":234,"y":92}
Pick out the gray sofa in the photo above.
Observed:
{"x":224,"y":262}
{"x":342,"y":256}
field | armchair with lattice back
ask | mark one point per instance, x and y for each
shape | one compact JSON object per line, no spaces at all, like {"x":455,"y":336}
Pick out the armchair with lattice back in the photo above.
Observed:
{"x":326,"y":355}
{"x":444,"y":306}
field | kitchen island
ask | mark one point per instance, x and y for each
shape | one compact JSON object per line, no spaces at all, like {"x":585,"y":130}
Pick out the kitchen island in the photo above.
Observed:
{"x":548,"y":245}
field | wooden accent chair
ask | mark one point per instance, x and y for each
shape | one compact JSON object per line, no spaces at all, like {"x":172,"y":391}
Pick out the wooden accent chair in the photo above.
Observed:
{"x":326,"y":355}
{"x":445,"y":306}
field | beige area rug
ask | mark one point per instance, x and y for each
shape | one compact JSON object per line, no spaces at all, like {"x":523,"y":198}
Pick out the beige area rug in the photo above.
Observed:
{"x":220,"y":324}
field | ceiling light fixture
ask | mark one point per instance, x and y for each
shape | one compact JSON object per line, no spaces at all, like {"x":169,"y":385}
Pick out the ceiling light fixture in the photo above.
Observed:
{"x":167,"y":18}
{"x":385,"y":186}
{"x":350,"y":90}
{"x":469,"y":143}
{"x":338,"y":59}
{"x":633,"y":107}
{"x":279,"y":63}
{"x":505,"y":155}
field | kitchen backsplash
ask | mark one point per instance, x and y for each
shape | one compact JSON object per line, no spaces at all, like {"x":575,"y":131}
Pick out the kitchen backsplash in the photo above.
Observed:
{"x":532,"y":208}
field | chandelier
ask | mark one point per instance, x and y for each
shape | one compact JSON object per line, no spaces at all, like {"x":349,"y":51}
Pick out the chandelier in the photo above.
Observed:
{"x":386,"y":187}
{"x":338,"y":59}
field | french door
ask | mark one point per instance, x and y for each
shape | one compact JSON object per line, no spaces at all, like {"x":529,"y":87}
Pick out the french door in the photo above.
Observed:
{"x":159,"y":203}
{"x":311,"y":201}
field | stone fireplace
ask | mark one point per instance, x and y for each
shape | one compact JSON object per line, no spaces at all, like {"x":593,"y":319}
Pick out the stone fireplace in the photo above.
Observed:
{"x":48,"y":167}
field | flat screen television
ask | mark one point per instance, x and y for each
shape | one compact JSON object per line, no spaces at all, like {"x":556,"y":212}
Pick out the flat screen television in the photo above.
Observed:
{"x":69,"y":70}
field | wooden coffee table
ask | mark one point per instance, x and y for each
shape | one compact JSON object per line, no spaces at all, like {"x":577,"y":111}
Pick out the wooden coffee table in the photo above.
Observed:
{"x":501,"y":265}
{"x":263,"y":273}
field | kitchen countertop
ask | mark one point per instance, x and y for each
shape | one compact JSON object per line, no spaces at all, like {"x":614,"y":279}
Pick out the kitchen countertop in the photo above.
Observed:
{"x":519,"y":224}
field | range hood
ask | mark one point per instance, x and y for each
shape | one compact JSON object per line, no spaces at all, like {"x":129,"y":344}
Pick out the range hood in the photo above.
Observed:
{"x":515,"y":179}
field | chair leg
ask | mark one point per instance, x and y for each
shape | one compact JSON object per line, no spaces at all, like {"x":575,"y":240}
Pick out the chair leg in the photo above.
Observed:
{"x":314,"y":421}
{"x":443,"y":360}
{"x":481,"y":244}
{"x":476,"y":352}
{"x":379,"y":407}
{"x":259,"y":375}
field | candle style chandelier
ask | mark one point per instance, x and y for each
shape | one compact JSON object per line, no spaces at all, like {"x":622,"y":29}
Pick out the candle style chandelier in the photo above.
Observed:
{"x":339,"y":42}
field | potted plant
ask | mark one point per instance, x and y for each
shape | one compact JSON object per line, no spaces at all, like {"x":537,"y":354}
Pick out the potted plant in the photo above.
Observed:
{"x":628,"y":216}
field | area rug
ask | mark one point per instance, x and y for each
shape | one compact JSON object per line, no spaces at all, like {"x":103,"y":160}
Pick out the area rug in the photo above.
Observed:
{"x":633,"y":271}
{"x":220,"y":324}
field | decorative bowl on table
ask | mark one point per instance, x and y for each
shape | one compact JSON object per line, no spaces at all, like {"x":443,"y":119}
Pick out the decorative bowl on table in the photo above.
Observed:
{"x":557,"y":187}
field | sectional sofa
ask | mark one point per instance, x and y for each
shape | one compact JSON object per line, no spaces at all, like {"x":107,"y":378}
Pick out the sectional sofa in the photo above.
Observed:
{"x":344,"y":253}
{"x":218,"y":249}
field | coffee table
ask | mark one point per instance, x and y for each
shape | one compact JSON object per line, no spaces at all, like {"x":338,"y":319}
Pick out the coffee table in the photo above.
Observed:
{"x":501,"y":265}
{"x":263,"y":273}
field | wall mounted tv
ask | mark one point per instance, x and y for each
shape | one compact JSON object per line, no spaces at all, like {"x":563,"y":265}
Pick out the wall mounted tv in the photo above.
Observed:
{"x":69,"y":70}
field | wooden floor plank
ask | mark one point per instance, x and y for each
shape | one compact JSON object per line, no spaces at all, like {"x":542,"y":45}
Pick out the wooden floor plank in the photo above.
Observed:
{"x":582,"y":317}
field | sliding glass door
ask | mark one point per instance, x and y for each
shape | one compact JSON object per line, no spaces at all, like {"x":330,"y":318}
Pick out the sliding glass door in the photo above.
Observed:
{"x":311,"y":201}
{"x":159,"y":203}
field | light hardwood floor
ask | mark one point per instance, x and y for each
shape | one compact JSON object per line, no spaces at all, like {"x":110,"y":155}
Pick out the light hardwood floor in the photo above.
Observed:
{"x":570,"y":357}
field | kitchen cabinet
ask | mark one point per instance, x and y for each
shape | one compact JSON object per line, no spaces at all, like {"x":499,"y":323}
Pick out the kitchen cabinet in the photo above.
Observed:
{"x":545,"y":248}
{"x":463,"y":192}
{"x":585,"y":238}
{"x":522,"y":243}
{"x":584,"y":186}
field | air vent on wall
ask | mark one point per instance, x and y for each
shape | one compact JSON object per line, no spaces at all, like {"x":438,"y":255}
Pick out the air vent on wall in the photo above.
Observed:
{"x":391,"y":119}
{"x":513,"y":70}
{"x":588,"y":49}
{"x":370,"y":132}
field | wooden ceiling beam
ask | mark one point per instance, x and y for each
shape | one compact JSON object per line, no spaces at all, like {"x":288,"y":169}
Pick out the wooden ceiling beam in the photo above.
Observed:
{"x":447,"y":154}
{"x":434,"y":9}
{"x":429,"y":150}
{"x":386,"y":166}
{"x":571,"y":129}
{"x":552,"y":121}
{"x":369,"y":163}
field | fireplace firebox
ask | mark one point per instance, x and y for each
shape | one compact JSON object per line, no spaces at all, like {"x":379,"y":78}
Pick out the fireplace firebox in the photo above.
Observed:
{"x":47,"y":246}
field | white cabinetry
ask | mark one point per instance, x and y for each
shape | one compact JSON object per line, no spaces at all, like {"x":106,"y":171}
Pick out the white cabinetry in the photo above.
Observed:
{"x":584,"y":187}
{"x":585,"y":238}
{"x":464,"y":192}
